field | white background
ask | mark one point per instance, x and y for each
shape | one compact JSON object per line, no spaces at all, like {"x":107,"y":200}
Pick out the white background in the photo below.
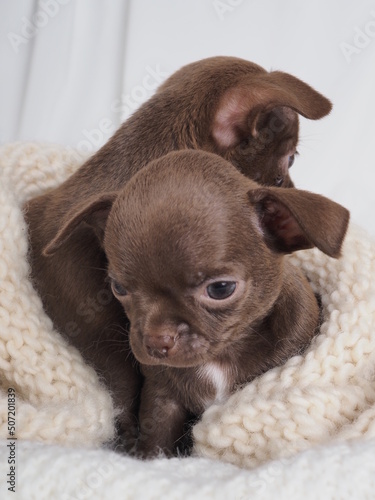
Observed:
{"x":72,"y":70}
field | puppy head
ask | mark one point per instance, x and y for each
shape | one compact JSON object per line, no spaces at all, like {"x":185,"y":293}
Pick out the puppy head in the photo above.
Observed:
{"x":250,"y":115}
{"x":195,"y":252}
{"x":183,"y":274}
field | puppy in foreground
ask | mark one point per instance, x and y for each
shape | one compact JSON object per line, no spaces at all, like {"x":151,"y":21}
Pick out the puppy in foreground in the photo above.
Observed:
{"x":196,"y":258}
{"x":223,"y":105}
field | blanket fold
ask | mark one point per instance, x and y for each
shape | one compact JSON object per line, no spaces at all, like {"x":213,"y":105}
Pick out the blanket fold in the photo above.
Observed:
{"x":334,"y":472}
{"x":59,"y":399}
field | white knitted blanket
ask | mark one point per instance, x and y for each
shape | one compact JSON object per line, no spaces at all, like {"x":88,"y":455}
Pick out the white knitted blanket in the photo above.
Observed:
{"x":321,"y":398}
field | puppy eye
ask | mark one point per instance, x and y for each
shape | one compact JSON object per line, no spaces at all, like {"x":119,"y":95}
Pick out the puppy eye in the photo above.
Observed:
{"x":118,"y":289}
{"x":220,"y":290}
{"x":291,"y":159}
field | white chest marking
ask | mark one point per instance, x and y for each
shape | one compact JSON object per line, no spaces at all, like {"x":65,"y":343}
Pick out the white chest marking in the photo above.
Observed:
{"x":217,"y":376}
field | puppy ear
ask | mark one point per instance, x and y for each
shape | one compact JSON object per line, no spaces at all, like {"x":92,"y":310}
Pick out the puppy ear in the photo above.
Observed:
{"x":292,"y":220}
{"x":241,"y":107}
{"x":93,"y":212}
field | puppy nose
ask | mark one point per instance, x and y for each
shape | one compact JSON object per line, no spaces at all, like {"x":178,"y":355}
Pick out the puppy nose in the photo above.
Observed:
{"x":158,"y":345}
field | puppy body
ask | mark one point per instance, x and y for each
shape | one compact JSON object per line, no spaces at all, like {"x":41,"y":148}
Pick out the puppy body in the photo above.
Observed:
{"x":206,"y":225}
{"x":223,"y":105}
{"x":196,"y":258}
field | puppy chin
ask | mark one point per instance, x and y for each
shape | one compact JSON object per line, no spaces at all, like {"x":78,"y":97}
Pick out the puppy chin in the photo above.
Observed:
{"x":170,"y":362}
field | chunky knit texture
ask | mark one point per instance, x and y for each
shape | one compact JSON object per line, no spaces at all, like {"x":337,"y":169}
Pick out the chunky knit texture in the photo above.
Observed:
{"x":326,"y":394}
{"x":59,"y":398}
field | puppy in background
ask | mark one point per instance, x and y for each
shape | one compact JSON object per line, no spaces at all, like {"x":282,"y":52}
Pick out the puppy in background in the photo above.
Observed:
{"x":223,"y":105}
{"x":196,"y":258}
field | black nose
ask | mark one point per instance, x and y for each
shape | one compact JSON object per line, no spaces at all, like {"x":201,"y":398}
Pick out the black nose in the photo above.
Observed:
{"x":159,"y":345}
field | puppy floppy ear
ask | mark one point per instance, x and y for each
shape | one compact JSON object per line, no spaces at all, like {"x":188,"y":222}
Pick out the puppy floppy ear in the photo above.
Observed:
{"x":292,"y":220}
{"x":242,"y":106}
{"x":93,"y":212}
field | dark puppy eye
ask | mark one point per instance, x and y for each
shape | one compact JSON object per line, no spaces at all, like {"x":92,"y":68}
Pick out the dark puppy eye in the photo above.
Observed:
{"x":220,"y":290}
{"x":118,"y":289}
{"x":291,"y":160}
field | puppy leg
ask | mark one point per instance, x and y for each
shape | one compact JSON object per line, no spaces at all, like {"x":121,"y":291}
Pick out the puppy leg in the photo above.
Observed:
{"x":120,"y":373}
{"x":161,"y":420}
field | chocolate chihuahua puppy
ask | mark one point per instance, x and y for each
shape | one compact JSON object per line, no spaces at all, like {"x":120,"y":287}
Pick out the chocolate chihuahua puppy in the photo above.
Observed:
{"x":223,"y":105}
{"x":196,"y":258}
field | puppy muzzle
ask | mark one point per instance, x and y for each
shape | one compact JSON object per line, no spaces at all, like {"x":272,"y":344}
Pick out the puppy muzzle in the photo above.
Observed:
{"x":180,"y":348}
